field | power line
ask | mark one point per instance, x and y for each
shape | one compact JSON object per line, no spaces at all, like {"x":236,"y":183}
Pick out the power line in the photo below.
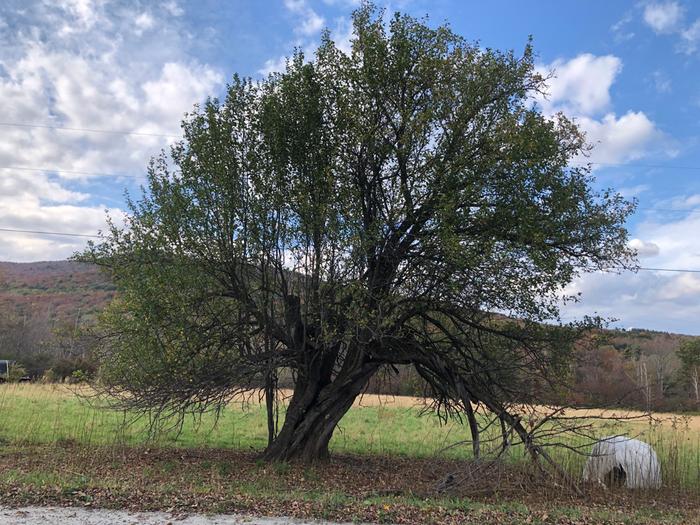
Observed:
{"x":73,"y":172}
{"x":651,"y":166}
{"x":667,"y":270}
{"x":670,"y":210}
{"x":89,"y":130}
{"x":39,"y":232}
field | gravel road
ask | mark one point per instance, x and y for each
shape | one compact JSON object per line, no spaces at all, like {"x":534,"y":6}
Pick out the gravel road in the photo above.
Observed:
{"x":80,"y":516}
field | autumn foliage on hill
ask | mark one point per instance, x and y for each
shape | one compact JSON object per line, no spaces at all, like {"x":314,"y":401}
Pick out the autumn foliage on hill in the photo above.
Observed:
{"x":57,"y":290}
{"x":45,"y":308}
{"x":42,"y":303}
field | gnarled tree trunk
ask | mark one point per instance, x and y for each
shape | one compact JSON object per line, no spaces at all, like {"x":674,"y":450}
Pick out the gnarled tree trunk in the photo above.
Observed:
{"x":313,"y":414}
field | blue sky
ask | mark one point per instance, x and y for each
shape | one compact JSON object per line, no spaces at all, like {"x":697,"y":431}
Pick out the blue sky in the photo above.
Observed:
{"x":626,"y":71}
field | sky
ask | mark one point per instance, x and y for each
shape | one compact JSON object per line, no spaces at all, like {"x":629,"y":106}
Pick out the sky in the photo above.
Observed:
{"x":75,"y":75}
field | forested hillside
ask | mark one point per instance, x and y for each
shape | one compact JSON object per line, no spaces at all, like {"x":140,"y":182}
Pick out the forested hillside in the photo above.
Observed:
{"x":634,"y":368}
{"x":45,"y":306}
{"x":44,"y":309}
{"x":58,"y":291}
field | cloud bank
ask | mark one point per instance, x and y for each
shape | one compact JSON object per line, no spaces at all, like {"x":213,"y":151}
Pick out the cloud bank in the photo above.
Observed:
{"x":93,"y":65}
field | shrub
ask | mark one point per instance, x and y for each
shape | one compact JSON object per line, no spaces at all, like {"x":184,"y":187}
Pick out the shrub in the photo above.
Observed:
{"x":16,"y":373}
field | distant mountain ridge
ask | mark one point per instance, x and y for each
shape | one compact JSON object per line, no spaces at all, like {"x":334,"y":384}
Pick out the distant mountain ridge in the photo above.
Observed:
{"x":59,"y":290}
{"x":39,"y":300}
{"x":65,"y":286}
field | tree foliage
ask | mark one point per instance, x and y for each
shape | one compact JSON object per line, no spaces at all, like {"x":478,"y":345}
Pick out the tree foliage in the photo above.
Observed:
{"x":403,"y":203}
{"x":689,"y":356}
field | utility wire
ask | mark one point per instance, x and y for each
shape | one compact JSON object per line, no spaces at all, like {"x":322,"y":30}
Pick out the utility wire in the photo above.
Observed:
{"x":651,"y":166}
{"x":667,"y":270}
{"x":73,"y":172}
{"x":39,"y":232}
{"x":89,"y":130}
{"x":669,"y":210}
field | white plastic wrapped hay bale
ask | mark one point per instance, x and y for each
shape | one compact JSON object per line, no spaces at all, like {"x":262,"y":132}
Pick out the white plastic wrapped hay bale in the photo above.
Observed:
{"x":619,"y":460}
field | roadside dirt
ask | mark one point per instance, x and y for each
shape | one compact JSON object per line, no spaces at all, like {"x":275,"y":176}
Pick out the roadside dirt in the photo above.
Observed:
{"x":366,"y":489}
{"x":82,"y":516}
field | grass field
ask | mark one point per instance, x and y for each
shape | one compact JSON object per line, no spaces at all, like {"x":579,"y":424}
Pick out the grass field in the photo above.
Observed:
{"x":49,"y":434}
{"x":378,"y":425}
{"x":40,"y":414}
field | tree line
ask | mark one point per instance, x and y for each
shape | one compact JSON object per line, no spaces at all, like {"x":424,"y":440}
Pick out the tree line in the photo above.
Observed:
{"x":634,"y":369}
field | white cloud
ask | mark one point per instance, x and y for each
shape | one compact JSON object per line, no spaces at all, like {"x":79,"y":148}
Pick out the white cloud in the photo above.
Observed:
{"x":691,"y":38}
{"x":342,"y":34}
{"x":581,"y":85}
{"x":47,"y":78}
{"x":667,"y":18}
{"x":644,"y":248}
{"x":683,"y":286}
{"x":684,"y":202}
{"x":658,"y":300}
{"x":619,"y":29}
{"x":654,"y":300}
{"x":620,"y":139}
{"x":308,"y":25}
{"x":676,"y":242}
{"x":83,"y":14}
{"x":17,"y":186}
{"x":34,"y":201}
{"x":64,"y":89}
{"x":651,"y":299}
{"x":347,"y":3}
{"x":580,"y":88}
{"x":273,"y":65}
{"x":663,"y":17}
{"x":661,"y":82}
{"x":173,"y":8}
{"x":279,"y":64}
{"x":633,"y":191}
{"x":175,"y":90}
{"x":309,"y":22}
{"x":311,"y":25}
{"x":144,"y":21}
{"x":26,"y":213}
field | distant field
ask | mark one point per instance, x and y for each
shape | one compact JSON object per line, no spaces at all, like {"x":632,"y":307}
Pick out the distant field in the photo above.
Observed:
{"x":378,"y":425}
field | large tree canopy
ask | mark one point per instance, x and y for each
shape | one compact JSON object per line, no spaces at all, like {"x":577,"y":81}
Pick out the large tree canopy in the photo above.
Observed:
{"x":401,"y":204}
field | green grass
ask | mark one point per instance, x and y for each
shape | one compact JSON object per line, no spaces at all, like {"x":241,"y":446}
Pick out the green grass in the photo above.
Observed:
{"x":35,"y":414}
{"x":93,"y":459}
{"x":38,"y":414}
